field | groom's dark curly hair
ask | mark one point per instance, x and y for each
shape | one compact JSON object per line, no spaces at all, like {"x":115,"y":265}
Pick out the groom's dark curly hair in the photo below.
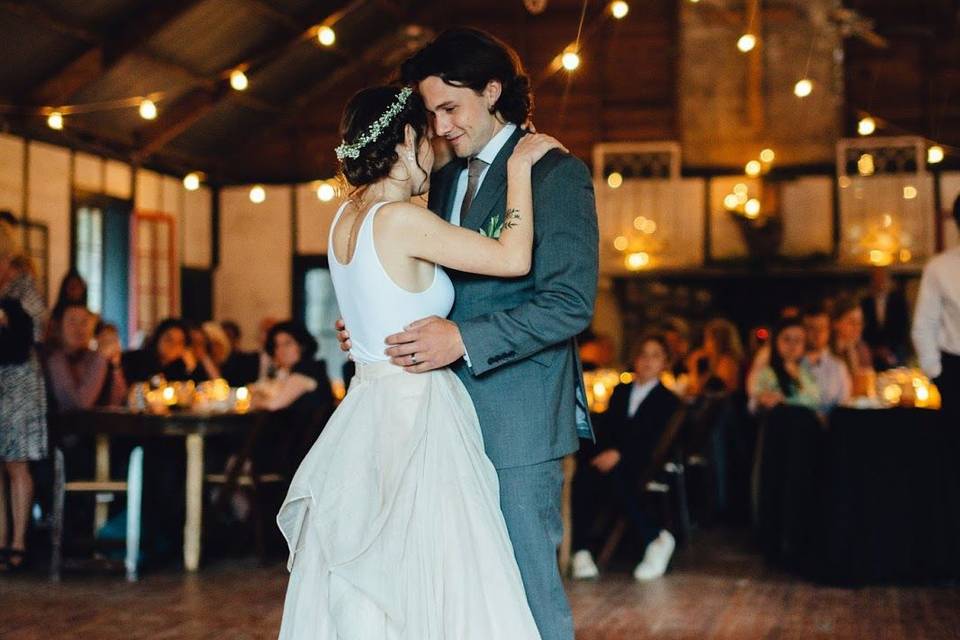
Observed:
{"x":465,"y":57}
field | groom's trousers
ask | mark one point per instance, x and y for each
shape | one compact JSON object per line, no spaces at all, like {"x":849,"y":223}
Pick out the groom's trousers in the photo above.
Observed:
{"x":530,"y":500}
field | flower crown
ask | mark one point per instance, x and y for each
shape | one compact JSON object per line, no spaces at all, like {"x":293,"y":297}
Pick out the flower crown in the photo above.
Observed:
{"x":374,"y":130}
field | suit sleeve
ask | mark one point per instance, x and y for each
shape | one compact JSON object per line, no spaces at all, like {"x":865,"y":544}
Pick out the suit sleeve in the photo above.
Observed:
{"x":565,"y":263}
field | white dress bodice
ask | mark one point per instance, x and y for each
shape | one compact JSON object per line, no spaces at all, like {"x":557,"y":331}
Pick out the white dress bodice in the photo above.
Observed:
{"x":373,"y":306}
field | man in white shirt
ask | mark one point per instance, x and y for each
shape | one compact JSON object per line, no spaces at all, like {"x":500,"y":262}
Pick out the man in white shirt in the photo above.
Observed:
{"x":829,"y":372}
{"x":936,"y":324}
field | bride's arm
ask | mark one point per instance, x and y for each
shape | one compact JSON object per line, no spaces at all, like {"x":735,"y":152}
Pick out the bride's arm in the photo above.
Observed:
{"x":428,"y":237}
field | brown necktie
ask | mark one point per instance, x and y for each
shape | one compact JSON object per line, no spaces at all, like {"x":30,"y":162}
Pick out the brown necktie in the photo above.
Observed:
{"x":474,"y":172}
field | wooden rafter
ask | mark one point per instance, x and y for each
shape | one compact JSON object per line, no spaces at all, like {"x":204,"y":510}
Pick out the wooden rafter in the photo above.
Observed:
{"x":102,"y":54}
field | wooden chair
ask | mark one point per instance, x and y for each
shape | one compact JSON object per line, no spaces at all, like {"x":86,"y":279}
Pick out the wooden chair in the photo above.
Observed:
{"x":664,"y":458}
{"x":131,"y":487}
{"x":250,"y":471}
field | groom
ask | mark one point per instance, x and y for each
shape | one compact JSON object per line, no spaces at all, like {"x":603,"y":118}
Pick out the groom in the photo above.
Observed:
{"x":511,"y":342}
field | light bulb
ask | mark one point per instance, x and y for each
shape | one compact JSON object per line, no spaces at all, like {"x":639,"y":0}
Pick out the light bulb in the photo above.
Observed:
{"x":909,"y":192}
{"x":747,"y":42}
{"x":753,"y":168}
{"x":865,"y":165}
{"x":570,"y":60}
{"x":326,"y":36}
{"x":620,"y":243}
{"x":191,"y":181}
{"x":257,"y":194}
{"x":326,"y":192}
{"x":866,"y":126}
{"x":803,"y":88}
{"x":148,"y":109}
{"x":935,"y":154}
{"x":752,"y":208}
{"x":614,"y":180}
{"x":636,"y":261}
{"x":730,"y":201}
{"x":55,"y":120}
{"x":619,"y":9}
{"x":767,"y":155}
{"x":238,"y":80}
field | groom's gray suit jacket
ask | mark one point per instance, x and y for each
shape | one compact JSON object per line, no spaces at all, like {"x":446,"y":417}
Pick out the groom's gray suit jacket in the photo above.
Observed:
{"x":525,"y":377}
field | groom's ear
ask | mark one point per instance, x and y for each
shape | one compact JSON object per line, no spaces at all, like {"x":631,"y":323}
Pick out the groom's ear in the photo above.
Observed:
{"x":492,"y":93}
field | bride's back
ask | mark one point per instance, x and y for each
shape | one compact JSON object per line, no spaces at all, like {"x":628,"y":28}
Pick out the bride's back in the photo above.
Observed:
{"x":380,"y":289}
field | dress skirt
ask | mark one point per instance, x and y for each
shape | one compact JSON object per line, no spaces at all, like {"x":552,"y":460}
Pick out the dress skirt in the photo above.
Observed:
{"x":393,"y":521}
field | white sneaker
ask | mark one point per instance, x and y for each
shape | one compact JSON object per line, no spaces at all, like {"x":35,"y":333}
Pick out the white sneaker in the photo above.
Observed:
{"x":583,"y":567}
{"x":656,"y":558}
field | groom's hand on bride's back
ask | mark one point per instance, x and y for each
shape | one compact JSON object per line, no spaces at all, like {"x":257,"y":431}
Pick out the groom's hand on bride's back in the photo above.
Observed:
{"x":343,"y":335}
{"x":427,"y":344}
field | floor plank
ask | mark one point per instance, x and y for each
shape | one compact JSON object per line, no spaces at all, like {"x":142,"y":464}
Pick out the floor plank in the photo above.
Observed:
{"x":717,"y":590}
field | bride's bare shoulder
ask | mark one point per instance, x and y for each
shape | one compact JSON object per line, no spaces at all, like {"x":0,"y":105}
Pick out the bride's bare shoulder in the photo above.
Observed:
{"x":404,"y":213}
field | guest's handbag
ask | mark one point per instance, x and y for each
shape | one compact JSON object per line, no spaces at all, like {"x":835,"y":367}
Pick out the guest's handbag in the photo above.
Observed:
{"x":16,"y":333}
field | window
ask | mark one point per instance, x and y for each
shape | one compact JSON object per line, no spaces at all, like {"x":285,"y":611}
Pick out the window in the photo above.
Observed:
{"x":315,"y":303}
{"x":89,"y":262}
{"x":154,"y":271}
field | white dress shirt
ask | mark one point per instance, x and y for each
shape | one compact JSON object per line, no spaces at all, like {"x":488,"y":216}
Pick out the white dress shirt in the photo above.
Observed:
{"x":488,"y":154}
{"x":936,"y":320}
{"x":638,"y":393}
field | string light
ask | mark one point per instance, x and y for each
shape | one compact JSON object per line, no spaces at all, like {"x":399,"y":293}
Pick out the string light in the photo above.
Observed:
{"x":803,"y":88}
{"x":238,"y":80}
{"x":637,"y":261}
{"x":148,"y":109}
{"x":730,"y":201}
{"x":909,"y":192}
{"x":191,"y":181}
{"x":619,"y":9}
{"x":752,"y":208}
{"x":753,"y":168}
{"x":55,"y":120}
{"x":935,"y":154}
{"x":620,"y":243}
{"x":747,"y":42}
{"x":258,"y":194}
{"x":865,"y":165}
{"x":326,"y":36}
{"x":326,"y":192}
{"x":614,"y":180}
{"x":866,"y":126}
{"x":767,"y":155}
{"x":570,"y":60}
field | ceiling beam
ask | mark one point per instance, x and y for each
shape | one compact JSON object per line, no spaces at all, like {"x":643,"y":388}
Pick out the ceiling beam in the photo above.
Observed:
{"x":191,"y":107}
{"x":103,"y":54}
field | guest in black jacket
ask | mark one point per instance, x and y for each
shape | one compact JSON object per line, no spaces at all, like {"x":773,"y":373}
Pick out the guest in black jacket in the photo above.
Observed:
{"x":608,"y":472}
{"x":166,"y":353}
{"x":886,"y":321}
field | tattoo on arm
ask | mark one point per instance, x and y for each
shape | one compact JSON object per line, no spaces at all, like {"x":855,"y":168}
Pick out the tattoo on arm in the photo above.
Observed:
{"x":512,"y":218}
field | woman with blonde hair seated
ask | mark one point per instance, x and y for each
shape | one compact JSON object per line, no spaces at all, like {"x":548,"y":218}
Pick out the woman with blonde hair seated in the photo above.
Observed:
{"x":716,"y":366}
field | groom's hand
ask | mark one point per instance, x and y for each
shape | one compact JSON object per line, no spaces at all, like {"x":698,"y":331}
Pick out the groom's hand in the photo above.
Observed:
{"x":343,"y":336}
{"x":427,"y":344}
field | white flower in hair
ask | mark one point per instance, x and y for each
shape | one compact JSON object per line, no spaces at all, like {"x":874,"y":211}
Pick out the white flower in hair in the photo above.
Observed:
{"x":374,"y":130}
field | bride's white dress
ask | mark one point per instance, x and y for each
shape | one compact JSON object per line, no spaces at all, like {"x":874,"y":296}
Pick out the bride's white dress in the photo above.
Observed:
{"x":393,"y":519}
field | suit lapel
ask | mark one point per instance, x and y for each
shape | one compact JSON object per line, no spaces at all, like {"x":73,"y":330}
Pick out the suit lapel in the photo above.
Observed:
{"x":443,"y":188}
{"x":493,"y":189}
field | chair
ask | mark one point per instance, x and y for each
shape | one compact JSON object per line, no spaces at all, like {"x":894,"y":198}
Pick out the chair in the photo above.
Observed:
{"x":252,"y":469}
{"x":131,"y":487}
{"x":665,"y":457}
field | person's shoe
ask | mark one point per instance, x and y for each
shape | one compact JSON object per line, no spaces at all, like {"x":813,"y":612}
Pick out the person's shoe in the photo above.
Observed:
{"x":656,"y":558}
{"x":583,"y":567}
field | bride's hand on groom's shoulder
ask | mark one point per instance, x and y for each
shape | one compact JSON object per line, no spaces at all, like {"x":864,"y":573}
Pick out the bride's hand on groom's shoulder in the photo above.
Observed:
{"x":532,"y":147}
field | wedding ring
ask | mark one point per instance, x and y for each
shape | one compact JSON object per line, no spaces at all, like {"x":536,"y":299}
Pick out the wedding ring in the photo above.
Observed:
{"x":413,"y":358}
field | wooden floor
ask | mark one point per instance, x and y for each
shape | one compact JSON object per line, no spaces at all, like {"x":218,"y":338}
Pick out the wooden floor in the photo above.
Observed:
{"x":716,"y":590}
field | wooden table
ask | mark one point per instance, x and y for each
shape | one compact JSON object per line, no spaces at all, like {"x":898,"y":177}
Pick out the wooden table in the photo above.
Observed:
{"x":102,"y":424}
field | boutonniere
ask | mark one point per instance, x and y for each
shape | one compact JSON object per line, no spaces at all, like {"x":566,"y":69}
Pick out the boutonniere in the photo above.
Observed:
{"x":493,"y":227}
{"x":496,"y":224}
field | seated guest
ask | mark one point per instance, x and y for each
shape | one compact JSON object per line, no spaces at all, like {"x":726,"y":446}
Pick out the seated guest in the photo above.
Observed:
{"x":296,"y":375}
{"x":785,"y":379}
{"x":677,"y":333}
{"x":167,"y":354}
{"x":232,"y":329}
{"x":109,"y":345}
{"x":73,"y":290}
{"x":78,"y":375}
{"x":236,"y":367}
{"x":716,"y":365}
{"x":848,"y":345}
{"x":609,"y":471}
{"x":200,"y":348}
{"x":829,"y":373}
{"x":263,"y":330}
{"x":886,"y":320}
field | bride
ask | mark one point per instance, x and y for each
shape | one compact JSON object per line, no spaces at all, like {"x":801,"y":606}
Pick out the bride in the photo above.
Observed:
{"x":393,"y":519}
